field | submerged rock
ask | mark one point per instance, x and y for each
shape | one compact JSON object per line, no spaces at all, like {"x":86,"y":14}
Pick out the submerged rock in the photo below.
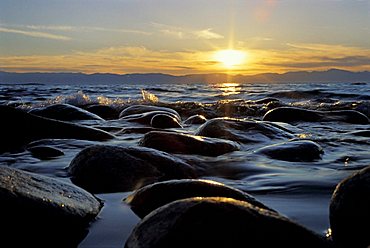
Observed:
{"x":139,"y":109}
{"x":291,"y":114}
{"x":241,"y":130}
{"x":103,"y":169}
{"x":219,"y":222}
{"x":42,"y":211}
{"x":187,"y":144}
{"x":45,"y":152}
{"x":17,"y":128}
{"x":153,"y":196}
{"x":64,"y":112}
{"x":164,"y":121}
{"x":293,"y":151}
{"x":195,"y":119}
{"x":350,"y":211}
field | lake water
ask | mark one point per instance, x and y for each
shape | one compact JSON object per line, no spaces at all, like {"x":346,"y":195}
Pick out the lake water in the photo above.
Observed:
{"x":298,"y":190}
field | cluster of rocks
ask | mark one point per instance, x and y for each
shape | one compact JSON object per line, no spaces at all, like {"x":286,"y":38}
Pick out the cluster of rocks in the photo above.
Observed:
{"x":183,"y":210}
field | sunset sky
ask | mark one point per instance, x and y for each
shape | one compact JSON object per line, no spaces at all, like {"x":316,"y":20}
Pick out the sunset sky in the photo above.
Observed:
{"x":184,"y":37}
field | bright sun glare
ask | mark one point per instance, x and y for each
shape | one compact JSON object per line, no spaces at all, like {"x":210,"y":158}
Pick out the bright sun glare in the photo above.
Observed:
{"x":230,"y":58}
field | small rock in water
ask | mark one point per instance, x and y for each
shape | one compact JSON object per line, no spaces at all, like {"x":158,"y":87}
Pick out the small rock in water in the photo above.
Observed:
{"x":219,"y":222}
{"x":139,"y":109}
{"x":241,"y":130}
{"x":104,"y":111}
{"x":64,"y":112}
{"x":38,"y":211}
{"x":293,"y":151}
{"x":164,"y":121}
{"x":45,"y":152}
{"x":187,"y":144}
{"x":103,"y":169}
{"x":153,"y":196}
{"x":350,"y":211}
{"x":291,"y":114}
{"x":195,"y":119}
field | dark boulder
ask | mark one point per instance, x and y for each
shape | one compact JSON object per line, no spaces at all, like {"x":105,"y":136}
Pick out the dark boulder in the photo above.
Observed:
{"x":153,"y":196}
{"x":195,"y":119}
{"x":104,"y":111}
{"x":145,"y":118}
{"x":45,"y":152}
{"x":164,"y":121}
{"x":64,"y":112}
{"x":139,"y":109}
{"x":219,"y":222}
{"x":350,"y":211}
{"x":173,"y":142}
{"x":38,"y":211}
{"x":242,"y":130}
{"x":103,"y":169}
{"x":291,"y":114}
{"x":18,"y":128}
{"x":293,"y":151}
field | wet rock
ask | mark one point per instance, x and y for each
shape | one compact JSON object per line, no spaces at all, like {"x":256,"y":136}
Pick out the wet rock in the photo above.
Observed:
{"x":241,"y":130}
{"x":64,"y":112}
{"x":139,"y":109}
{"x":42,"y":211}
{"x":219,"y":222}
{"x":350,"y":211}
{"x":187,"y":144}
{"x":293,"y":151}
{"x":144,"y":130}
{"x":362,"y":133}
{"x":266,"y":100}
{"x":45,"y":152}
{"x":17,"y":128}
{"x":195,"y":119}
{"x":164,"y":121}
{"x":102,"y":169}
{"x":291,"y":114}
{"x":145,"y":118}
{"x":153,"y":196}
{"x":104,"y":111}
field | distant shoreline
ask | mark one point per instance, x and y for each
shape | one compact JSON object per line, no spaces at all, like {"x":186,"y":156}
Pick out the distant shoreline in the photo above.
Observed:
{"x":329,"y":76}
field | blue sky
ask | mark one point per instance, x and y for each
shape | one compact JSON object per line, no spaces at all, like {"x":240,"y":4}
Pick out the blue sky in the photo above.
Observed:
{"x":181,"y":37}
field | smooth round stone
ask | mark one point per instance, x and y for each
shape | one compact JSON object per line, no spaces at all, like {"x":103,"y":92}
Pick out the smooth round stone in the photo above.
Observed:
{"x":139,"y":109}
{"x":164,"y":121}
{"x":173,"y":142}
{"x":291,"y":114}
{"x":219,"y":222}
{"x":195,"y":119}
{"x":45,"y":152}
{"x":38,"y":210}
{"x":64,"y":112}
{"x":148,"y":198}
{"x":104,"y":111}
{"x":242,"y":130}
{"x":350,"y":211}
{"x":293,"y":151}
{"x":103,"y":169}
{"x":145,"y":118}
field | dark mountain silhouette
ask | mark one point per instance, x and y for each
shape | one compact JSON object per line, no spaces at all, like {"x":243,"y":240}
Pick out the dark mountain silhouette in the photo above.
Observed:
{"x":330,"y":76}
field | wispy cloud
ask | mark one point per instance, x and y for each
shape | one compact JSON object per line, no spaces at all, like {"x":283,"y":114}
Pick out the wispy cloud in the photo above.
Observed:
{"x":35,"y":34}
{"x":186,"y":33}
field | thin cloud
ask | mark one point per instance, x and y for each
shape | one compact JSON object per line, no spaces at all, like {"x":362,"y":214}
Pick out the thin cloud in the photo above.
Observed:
{"x":35,"y":34}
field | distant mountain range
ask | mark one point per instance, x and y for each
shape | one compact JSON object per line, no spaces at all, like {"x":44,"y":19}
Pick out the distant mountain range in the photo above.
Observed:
{"x":329,"y":76}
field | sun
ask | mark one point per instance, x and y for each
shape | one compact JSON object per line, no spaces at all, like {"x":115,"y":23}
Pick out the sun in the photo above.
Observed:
{"x":230,"y":57}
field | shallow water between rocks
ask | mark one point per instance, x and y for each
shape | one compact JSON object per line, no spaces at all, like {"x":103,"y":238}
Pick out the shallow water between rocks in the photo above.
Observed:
{"x":298,"y":190}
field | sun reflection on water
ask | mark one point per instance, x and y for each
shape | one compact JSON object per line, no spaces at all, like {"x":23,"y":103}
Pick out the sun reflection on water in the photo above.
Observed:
{"x":230,"y":89}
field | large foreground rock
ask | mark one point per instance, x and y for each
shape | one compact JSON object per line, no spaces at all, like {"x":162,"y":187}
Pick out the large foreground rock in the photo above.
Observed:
{"x":350,"y":211}
{"x":102,"y":169}
{"x":242,"y":130}
{"x":38,"y":211}
{"x":153,"y":196}
{"x":219,"y":222}
{"x":173,"y":142}
{"x":18,"y":128}
{"x":291,"y":114}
